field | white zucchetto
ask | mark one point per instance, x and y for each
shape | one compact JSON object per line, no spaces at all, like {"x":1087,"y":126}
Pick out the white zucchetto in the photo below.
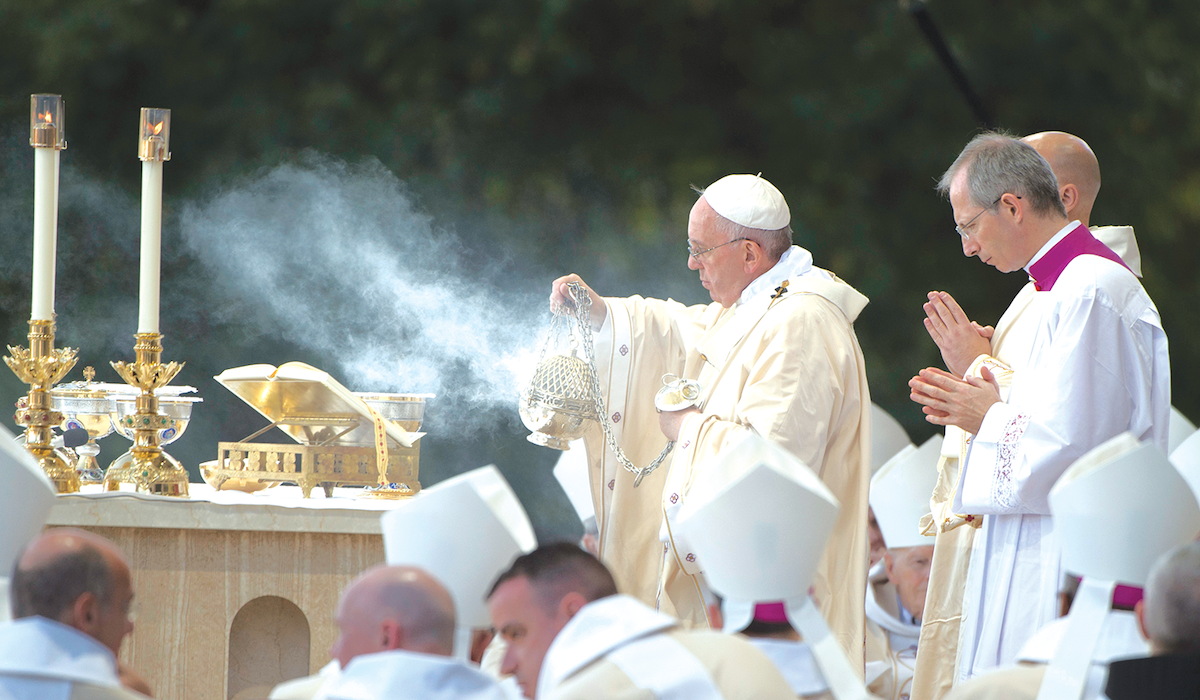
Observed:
{"x":750,"y":201}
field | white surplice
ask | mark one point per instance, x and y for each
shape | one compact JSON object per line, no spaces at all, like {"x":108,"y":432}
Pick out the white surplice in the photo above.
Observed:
{"x":403,"y":675}
{"x":41,"y":659}
{"x":1097,"y":366}
{"x":616,"y":647}
{"x":784,"y":362}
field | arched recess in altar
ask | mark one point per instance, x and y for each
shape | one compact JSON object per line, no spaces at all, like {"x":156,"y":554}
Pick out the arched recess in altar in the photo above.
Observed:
{"x":268,"y":644}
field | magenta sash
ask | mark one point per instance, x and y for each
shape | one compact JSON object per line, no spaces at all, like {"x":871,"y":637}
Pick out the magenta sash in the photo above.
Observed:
{"x":1079,"y":241}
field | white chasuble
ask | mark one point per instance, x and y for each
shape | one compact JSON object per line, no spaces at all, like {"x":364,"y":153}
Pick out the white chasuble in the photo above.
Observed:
{"x":784,"y":362}
{"x":1097,"y":366}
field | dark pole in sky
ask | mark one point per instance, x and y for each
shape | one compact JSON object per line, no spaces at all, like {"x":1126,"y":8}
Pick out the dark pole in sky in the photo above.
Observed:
{"x":933,"y":35}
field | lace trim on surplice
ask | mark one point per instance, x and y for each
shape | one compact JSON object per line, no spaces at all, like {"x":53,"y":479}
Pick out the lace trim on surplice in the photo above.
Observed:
{"x":1004,"y":484}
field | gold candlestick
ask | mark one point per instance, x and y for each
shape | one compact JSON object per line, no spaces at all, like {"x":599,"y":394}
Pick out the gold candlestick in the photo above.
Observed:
{"x":41,"y":367}
{"x":149,"y":468}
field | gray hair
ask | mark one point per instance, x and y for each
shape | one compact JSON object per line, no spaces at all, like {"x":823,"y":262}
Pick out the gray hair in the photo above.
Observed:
{"x":1172,"y":601}
{"x":996,"y":164}
{"x":52,"y":589}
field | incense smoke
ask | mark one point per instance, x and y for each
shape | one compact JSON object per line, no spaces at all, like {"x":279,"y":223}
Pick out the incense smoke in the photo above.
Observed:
{"x":337,"y":258}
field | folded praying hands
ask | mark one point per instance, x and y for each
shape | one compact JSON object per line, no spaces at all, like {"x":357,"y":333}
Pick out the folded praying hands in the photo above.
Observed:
{"x":960,"y":339}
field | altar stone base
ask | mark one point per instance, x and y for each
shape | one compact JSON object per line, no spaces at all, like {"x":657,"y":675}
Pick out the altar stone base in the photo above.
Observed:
{"x":236,"y":593}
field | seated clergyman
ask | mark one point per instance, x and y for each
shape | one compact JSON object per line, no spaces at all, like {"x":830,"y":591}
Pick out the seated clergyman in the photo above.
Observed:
{"x":395,"y":637}
{"x":1169,"y":616}
{"x":71,"y":596}
{"x":570,"y":635}
{"x":896,"y":586}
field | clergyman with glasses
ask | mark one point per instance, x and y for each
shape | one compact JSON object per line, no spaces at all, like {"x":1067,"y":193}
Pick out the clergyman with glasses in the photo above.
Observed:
{"x":967,"y":346}
{"x":1092,"y":363}
{"x":775,"y":353}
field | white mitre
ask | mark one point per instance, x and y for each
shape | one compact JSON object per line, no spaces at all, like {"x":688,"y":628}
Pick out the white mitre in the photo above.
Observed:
{"x":1186,"y":458}
{"x":1178,"y":429}
{"x":1120,"y":240}
{"x":750,"y":201}
{"x":572,"y":474}
{"x":464,"y":531}
{"x":758,"y":520}
{"x":1116,"y":510}
{"x":900,"y":493}
{"x":25,"y":501}
{"x":887,"y":437}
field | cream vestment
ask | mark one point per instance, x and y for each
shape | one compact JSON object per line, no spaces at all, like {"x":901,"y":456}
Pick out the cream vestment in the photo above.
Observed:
{"x":618,"y":648}
{"x":784,"y":362}
{"x":41,"y":659}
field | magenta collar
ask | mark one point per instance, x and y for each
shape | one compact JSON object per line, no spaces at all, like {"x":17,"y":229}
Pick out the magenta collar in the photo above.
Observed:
{"x":1079,"y":241}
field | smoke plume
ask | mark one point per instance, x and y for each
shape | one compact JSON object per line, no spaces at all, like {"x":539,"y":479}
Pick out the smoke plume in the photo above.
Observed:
{"x":337,"y":258}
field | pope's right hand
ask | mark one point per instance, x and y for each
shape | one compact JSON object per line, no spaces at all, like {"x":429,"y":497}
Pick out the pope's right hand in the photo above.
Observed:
{"x":560,"y":298}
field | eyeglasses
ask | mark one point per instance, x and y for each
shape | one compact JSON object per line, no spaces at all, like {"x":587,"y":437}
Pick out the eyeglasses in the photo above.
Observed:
{"x":697,"y":253}
{"x":962,"y":230}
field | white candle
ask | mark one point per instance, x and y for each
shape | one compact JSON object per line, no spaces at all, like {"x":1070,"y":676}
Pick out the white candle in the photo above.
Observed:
{"x":45,"y":219}
{"x":152,"y":174}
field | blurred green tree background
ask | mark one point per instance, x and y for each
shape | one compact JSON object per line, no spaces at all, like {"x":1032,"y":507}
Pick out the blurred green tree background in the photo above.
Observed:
{"x":567,"y":132}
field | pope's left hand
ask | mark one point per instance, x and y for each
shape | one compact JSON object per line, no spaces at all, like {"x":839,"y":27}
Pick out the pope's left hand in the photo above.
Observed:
{"x":948,"y":400}
{"x":671,"y":421}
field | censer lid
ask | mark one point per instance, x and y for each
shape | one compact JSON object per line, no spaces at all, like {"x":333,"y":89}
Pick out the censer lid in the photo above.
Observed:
{"x":564,"y":381}
{"x":309,"y":405}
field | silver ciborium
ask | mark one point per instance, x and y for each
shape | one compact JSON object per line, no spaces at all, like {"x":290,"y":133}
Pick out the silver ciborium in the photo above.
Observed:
{"x":85,"y":405}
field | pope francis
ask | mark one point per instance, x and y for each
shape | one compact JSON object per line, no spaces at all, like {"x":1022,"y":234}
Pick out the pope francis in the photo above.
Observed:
{"x":775,"y":354}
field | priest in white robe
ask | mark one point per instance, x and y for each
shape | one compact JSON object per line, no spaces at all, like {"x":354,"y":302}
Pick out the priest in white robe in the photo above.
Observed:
{"x":967,"y":347}
{"x":776,"y":354}
{"x":1096,"y":366}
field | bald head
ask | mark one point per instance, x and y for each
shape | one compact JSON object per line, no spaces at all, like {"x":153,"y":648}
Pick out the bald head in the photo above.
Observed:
{"x":1075,"y":167}
{"x":394,"y":607}
{"x":1171,"y":607}
{"x":79,"y":579}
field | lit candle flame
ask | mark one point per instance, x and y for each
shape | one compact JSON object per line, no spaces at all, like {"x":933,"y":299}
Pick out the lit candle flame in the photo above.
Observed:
{"x":48,"y":118}
{"x":158,"y":128}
